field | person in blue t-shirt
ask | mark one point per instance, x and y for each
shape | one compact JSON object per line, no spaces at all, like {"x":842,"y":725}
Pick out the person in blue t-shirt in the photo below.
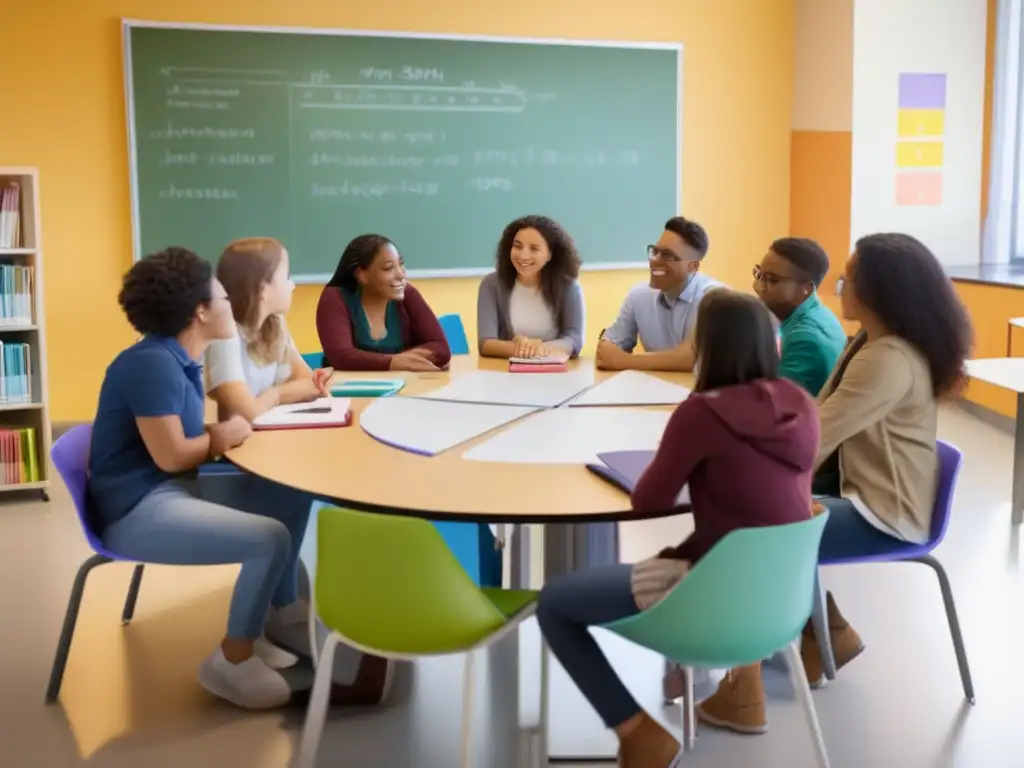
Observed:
{"x":148,"y":439}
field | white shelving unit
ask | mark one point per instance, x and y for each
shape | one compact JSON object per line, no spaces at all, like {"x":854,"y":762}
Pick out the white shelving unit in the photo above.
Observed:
{"x":29,"y":253}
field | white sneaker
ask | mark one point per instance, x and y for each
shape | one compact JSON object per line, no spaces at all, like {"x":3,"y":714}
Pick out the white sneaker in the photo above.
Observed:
{"x":274,"y":657}
{"x":250,"y":685}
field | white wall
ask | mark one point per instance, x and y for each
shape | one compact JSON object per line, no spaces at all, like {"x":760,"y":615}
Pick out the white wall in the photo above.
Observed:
{"x":926,"y":36}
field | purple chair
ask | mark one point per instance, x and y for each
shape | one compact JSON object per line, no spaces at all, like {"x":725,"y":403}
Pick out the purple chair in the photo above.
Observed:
{"x":70,"y":455}
{"x":887,"y":549}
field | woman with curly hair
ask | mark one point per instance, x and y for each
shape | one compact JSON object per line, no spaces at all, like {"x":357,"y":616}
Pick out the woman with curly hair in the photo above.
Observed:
{"x":370,"y":318}
{"x":148,"y":440}
{"x":532,"y":304}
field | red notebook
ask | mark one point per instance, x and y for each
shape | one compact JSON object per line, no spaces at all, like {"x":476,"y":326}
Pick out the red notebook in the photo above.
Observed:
{"x":554,"y":363}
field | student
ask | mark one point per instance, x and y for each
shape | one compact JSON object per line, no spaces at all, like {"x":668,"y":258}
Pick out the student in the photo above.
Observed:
{"x":532,"y":304}
{"x":751,"y":467}
{"x":661,"y":313}
{"x":370,"y":318}
{"x":878,"y":414}
{"x":149,"y":438}
{"x":246,"y":375}
{"x":787,"y":281}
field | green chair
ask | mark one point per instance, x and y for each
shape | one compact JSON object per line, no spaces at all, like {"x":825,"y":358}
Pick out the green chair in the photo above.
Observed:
{"x":748,"y":598}
{"x":389,"y":586}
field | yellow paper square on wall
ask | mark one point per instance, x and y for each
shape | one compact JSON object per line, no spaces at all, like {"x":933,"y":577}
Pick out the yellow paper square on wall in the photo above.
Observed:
{"x":921,"y":122}
{"x":919,"y":154}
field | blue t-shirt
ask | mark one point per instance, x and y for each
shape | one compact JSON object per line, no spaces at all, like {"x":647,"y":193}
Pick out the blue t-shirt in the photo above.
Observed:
{"x":155,"y":377}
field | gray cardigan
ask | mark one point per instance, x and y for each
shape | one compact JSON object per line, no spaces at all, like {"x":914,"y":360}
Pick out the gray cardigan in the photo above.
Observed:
{"x":492,"y":315}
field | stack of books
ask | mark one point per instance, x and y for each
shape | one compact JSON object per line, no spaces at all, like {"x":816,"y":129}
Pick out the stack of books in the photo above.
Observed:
{"x":18,"y":464}
{"x":15,"y":373}
{"x":15,"y":295}
{"x":10,"y":207}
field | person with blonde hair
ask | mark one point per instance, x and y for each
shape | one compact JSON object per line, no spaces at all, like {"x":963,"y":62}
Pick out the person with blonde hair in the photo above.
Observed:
{"x":247,"y":375}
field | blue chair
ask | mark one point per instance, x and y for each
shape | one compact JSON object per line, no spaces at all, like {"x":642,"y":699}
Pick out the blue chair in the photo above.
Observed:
{"x":454,"y":334}
{"x":886,"y":549}
{"x":748,"y":598}
{"x":314,"y":359}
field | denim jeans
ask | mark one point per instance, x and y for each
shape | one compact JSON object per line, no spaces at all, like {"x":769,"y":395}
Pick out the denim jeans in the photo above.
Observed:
{"x":847,"y":533}
{"x":566,"y":610}
{"x":172,"y":525}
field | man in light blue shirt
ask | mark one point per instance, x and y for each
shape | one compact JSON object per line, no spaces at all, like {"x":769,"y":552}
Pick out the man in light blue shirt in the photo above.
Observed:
{"x":661,"y":314}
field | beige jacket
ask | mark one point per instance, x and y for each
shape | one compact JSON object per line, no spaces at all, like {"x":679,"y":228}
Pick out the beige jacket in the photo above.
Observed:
{"x":883,"y":418}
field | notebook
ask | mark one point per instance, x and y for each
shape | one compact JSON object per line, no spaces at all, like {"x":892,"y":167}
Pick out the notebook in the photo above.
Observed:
{"x":622,"y":468}
{"x":555,"y":363}
{"x":319,"y":414}
{"x":367,"y":387}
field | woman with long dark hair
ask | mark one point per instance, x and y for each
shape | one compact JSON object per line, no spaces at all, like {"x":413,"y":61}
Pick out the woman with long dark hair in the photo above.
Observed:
{"x":751,"y":466}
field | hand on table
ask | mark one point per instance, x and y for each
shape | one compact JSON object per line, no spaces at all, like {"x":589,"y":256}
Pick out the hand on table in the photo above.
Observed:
{"x":526,"y":347}
{"x":322,"y":380}
{"x":413,"y":360}
{"x":610,"y":356}
{"x":228,"y":434}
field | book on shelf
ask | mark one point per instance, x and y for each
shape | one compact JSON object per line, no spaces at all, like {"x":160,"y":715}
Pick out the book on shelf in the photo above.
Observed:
{"x":18,"y":462}
{"x":15,"y":373}
{"x":10,"y":211}
{"x":15,"y":295}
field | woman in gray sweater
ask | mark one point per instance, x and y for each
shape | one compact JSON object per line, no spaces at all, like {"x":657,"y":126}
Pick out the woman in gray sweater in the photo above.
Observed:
{"x":532,"y":304}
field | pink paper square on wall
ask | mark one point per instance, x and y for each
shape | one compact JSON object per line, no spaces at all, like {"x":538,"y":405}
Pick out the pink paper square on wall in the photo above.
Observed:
{"x":919,"y":188}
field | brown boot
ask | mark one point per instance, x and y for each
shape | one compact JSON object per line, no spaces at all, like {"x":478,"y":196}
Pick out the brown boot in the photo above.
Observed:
{"x":648,"y":745}
{"x":738,"y":704}
{"x":673,"y":683}
{"x":846,"y":645}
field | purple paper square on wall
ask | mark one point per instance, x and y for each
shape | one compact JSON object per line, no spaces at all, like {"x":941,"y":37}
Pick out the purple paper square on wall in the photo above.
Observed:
{"x":920,"y":90}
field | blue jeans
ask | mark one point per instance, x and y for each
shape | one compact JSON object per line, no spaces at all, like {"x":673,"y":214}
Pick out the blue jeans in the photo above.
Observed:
{"x":847,"y":533}
{"x":566,"y":610}
{"x":173,"y":526}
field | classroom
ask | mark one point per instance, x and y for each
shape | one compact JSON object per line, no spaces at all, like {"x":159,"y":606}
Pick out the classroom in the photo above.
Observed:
{"x":759,"y":120}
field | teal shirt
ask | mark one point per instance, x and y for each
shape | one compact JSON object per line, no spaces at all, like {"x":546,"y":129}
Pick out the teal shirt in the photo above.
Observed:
{"x":812,"y":340}
{"x":391,"y":344}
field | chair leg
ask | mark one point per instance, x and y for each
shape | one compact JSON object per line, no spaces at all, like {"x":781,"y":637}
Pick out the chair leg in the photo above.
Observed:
{"x":803,"y":690}
{"x":67,"y":631}
{"x":954,"y":624}
{"x":688,"y":707}
{"x":133,"y":595}
{"x":468,"y":689}
{"x":819,"y":619}
{"x":316,"y":713}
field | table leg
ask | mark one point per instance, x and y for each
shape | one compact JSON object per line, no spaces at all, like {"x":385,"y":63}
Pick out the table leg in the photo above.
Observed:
{"x":1017,"y":495}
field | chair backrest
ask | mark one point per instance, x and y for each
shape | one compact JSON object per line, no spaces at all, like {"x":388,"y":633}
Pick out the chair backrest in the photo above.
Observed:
{"x":747,"y":598}
{"x":70,"y":454}
{"x":950,"y":461}
{"x":391,"y":583}
{"x":314,"y":359}
{"x":454,"y":334}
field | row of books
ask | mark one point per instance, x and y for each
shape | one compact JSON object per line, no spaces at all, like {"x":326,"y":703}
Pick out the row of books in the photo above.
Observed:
{"x":15,"y":295}
{"x":10,"y":212}
{"x":15,"y":373}
{"x":18,"y":462}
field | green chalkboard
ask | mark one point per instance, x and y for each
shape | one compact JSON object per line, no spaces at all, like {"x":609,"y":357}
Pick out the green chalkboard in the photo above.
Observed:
{"x":314,"y":137}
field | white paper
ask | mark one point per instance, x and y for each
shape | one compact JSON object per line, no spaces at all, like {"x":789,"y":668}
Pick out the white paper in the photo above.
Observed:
{"x":292,"y":416}
{"x":633,"y":388}
{"x":503,"y":388}
{"x":554,"y":359}
{"x":432,"y":426}
{"x":573,"y":436}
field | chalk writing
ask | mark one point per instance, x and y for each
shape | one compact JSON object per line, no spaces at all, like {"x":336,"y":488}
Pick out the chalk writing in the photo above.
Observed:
{"x":367,"y":161}
{"x":173,"y":192}
{"x":172,"y":131}
{"x":556,"y":157}
{"x":319,"y":77}
{"x":375,"y":189}
{"x":178,"y":89}
{"x":178,"y":158}
{"x":446,"y":161}
{"x":376,"y":74}
{"x":421,"y":74}
{"x":240,"y":158}
{"x":176,"y":103}
{"x":385,"y":137}
{"x":486,"y":184}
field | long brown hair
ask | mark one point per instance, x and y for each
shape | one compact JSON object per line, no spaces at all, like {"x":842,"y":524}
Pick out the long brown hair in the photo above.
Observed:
{"x":245,"y":266}
{"x":734,"y":341}
{"x":558,"y":273}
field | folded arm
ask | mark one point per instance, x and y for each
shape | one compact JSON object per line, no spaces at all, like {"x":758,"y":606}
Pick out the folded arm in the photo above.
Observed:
{"x":425,"y":330}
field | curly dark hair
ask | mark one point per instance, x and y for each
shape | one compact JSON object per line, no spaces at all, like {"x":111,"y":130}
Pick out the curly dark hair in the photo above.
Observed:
{"x":161,"y":293}
{"x":804,"y":254}
{"x":898,"y":278}
{"x":557,"y":274}
{"x":358,"y":254}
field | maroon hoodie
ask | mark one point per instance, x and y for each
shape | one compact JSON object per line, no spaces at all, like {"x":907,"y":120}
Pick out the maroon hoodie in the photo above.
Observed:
{"x":747,"y":453}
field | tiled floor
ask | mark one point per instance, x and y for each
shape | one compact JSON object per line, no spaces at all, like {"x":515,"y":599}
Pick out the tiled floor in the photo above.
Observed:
{"x":130,"y":697}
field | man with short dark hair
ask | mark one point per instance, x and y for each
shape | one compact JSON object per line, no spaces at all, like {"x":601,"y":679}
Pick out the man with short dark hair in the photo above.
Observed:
{"x":661,"y":313}
{"x":787,"y":281}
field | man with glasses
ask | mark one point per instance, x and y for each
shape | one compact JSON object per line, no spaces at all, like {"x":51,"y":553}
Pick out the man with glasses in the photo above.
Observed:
{"x":787,"y":281}
{"x":661,"y":314}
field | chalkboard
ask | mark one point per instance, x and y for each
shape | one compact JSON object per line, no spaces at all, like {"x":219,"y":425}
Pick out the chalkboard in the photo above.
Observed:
{"x":316,"y":136}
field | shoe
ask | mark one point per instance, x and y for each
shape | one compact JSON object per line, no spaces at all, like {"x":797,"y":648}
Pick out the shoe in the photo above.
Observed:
{"x":673,"y":683}
{"x":846,"y":645}
{"x":738,"y":704}
{"x":249,"y":685}
{"x":649,"y":745}
{"x":274,"y":657}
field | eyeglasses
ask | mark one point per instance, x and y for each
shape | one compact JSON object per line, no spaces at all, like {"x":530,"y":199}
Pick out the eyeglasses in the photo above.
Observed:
{"x":840,"y":284}
{"x":770,"y":278}
{"x":657,"y":252}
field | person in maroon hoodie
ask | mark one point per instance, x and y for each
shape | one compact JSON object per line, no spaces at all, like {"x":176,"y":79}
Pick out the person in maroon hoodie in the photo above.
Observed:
{"x":744,"y":443}
{"x":370,"y":318}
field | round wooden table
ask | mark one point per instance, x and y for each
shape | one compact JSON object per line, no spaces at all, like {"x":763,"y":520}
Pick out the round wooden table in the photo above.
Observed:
{"x":349,"y":467}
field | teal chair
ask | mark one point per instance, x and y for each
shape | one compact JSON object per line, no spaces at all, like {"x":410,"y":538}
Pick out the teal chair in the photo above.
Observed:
{"x":454,"y":334}
{"x":314,"y":359}
{"x":389,"y":586}
{"x":748,"y":598}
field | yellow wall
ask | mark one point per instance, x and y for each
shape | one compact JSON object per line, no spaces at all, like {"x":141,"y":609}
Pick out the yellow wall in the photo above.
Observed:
{"x":64,"y":112}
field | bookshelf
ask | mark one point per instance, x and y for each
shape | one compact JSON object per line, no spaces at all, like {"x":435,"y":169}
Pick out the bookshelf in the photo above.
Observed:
{"x":25,"y":429}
